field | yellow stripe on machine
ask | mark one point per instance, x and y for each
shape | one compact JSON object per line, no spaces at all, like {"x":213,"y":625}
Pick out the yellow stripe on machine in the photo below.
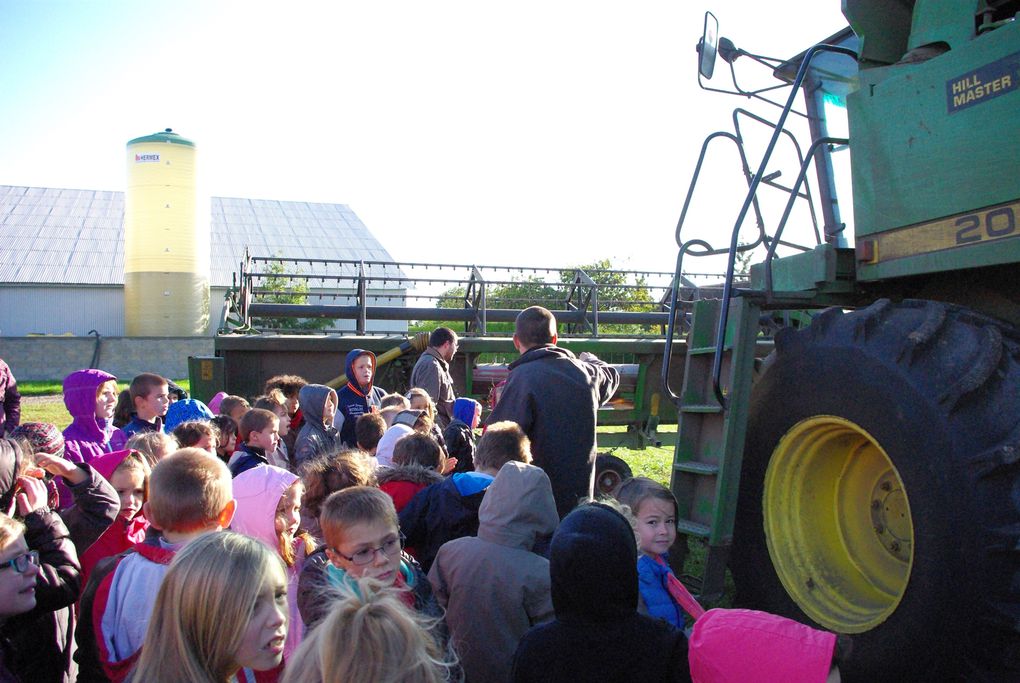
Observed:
{"x":986,"y":225}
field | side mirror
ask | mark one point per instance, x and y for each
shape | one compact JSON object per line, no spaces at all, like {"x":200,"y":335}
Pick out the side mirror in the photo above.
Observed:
{"x":708,"y":46}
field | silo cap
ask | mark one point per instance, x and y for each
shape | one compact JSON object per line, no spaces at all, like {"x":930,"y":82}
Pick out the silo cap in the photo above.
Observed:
{"x":167,"y":135}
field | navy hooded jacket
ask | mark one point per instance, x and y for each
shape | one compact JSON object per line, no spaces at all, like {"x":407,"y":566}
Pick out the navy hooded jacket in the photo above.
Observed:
{"x":356,"y":400}
{"x":593,"y":571}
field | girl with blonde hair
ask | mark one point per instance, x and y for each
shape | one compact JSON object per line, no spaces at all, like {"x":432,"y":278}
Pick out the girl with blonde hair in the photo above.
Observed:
{"x":220,"y":615}
{"x":393,"y":643}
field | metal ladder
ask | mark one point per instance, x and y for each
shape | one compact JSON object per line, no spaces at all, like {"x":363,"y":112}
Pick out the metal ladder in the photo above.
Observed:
{"x":710,"y":435}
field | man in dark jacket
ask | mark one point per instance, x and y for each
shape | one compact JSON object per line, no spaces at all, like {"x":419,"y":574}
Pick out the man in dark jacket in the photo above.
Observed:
{"x":598,"y":634}
{"x":554,"y":397}
{"x":432,"y":372}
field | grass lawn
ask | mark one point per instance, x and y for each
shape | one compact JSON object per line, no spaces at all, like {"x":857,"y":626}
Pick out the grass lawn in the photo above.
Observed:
{"x":656,"y":463}
{"x":42,"y":401}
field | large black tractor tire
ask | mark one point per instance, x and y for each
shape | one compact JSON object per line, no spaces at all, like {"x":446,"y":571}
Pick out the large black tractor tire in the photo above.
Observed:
{"x":880,"y":494}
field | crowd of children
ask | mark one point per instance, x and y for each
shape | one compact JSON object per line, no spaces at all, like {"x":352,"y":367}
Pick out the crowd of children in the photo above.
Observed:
{"x":315,"y":535}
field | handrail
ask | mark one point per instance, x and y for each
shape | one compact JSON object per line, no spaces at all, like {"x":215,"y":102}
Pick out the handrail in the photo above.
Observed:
{"x":673,"y":306}
{"x":800,"y":157}
{"x":805,"y":165}
{"x":752,"y":190}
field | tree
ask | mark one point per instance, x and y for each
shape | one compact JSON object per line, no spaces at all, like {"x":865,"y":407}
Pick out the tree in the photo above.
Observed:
{"x":616,"y":292}
{"x":285,"y":290}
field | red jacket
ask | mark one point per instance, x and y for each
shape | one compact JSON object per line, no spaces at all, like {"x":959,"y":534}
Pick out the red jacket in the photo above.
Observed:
{"x":93,"y":656}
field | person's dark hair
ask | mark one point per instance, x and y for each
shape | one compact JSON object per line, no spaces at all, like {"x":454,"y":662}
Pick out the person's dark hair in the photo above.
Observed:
{"x":191,"y":432}
{"x":274,"y":399}
{"x":143,"y":384}
{"x":418,"y":449}
{"x":255,"y":420}
{"x":369,"y":428}
{"x":122,"y":411}
{"x":225,"y":425}
{"x":176,"y":391}
{"x":394,"y":400}
{"x":290,"y":385}
{"x":501,"y":443}
{"x":636,"y":490}
{"x":329,"y":472}
{"x":440,"y":336}
{"x":231,"y":403}
{"x":535,"y":326}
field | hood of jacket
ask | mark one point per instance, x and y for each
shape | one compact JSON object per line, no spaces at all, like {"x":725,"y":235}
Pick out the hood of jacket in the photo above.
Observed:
{"x":10,"y":461}
{"x":108,"y":462}
{"x":258,"y":492}
{"x":312,"y":399}
{"x":416,"y":474}
{"x":384,"y":449}
{"x":80,"y":399}
{"x":731,"y":645}
{"x":408,"y":418}
{"x":544,"y":352}
{"x":464,"y":410}
{"x":518,"y":507}
{"x":352,"y":356}
{"x":593,"y":566}
{"x":185,"y":410}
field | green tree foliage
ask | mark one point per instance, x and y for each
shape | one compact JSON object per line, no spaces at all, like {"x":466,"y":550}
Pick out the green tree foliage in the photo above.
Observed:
{"x":617,"y":291}
{"x":284,"y":290}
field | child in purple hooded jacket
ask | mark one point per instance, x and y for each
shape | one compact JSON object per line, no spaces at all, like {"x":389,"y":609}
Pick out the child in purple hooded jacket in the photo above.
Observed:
{"x":90,"y":396}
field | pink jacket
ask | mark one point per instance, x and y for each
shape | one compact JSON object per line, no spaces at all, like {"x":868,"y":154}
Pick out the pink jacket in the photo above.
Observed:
{"x":747,"y":646}
{"x":123,"y":533}
{"x":258,"y":492}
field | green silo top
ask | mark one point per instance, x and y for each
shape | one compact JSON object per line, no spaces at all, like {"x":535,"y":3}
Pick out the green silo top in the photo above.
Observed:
{"x":167,"y":135}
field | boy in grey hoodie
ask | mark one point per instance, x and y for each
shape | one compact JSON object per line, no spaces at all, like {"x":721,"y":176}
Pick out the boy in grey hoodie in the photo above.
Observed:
{"x":493,"y":586}
{"x":319,"y":434}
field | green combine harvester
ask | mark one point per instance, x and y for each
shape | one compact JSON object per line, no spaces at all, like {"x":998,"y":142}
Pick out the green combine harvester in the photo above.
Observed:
{"x":865,"y":476}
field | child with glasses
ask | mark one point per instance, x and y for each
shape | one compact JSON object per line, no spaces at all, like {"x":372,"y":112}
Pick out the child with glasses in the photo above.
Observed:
{"x":19,"y":568}
{"x":362,"y":538}
{"x":38,"y":636}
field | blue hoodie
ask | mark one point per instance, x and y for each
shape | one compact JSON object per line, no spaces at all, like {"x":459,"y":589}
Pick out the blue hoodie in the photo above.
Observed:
{"x":355,"y":399}
{"x":459,"y":437}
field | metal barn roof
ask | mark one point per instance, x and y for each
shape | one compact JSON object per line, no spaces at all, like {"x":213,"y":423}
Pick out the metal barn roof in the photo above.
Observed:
{"x":76,"y":237}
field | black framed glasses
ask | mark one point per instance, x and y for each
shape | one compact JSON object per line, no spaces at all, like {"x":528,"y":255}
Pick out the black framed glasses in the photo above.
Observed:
{"x":21,"y":562}
{"x":389,"y":548}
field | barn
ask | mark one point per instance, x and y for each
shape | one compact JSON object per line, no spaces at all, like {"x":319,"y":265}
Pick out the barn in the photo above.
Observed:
{"x":62,"y":253}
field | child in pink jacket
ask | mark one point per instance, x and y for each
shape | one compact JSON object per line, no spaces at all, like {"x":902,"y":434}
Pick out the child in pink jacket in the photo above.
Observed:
{"x":128,"y":473}
{"x":269,"y":510}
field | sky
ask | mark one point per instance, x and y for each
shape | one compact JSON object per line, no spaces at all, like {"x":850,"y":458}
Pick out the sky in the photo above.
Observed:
{"x":547,"y":133}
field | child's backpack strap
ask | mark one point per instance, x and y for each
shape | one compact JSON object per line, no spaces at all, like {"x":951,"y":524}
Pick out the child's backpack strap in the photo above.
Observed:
{"x":679,"y":592}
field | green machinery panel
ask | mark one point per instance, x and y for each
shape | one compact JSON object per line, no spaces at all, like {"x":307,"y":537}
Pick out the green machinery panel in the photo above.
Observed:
{"x":934,"y":151}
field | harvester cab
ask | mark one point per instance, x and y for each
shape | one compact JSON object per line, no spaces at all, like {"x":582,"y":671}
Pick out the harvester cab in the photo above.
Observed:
{"x":865,"y":471}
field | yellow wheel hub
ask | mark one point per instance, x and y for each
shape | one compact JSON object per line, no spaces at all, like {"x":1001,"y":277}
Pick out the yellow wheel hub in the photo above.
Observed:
{"x":837,"y":523}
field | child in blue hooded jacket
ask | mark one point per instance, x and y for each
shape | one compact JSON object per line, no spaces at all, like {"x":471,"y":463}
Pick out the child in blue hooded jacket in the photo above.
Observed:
{"x":459,"y":435}
{"x":655,"y":510}
{"x":358,"y":396}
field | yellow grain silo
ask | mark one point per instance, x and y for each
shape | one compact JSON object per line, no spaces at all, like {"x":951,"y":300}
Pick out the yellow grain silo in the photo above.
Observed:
{"x":166,"y":240}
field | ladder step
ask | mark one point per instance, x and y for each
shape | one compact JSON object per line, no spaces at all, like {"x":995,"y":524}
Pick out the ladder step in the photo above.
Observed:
{"x":694,"y":467}
{"x":711,"y":408}
{"x":686,"y":526}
